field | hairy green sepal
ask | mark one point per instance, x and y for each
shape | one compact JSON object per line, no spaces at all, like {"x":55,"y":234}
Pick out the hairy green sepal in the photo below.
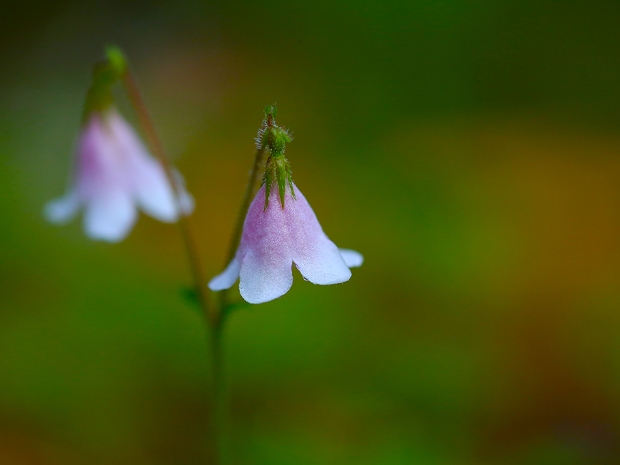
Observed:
{"x":277,"y":168}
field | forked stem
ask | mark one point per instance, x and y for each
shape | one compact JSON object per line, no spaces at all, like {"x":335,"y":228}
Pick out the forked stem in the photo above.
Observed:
{"x":213,"y":315}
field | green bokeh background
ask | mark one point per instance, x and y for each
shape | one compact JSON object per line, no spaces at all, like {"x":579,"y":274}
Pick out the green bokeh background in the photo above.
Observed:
{"x":470,"y":151}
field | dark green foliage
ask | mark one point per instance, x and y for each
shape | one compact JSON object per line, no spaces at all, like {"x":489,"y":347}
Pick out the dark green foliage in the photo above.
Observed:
{"x":190,"y":295}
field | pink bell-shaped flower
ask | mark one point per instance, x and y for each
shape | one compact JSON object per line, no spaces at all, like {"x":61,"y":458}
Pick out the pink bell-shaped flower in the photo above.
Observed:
{"x":114,"y":176}
{"x":276,"y":236}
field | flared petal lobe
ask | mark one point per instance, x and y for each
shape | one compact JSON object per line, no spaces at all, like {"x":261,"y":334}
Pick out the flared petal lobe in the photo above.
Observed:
{"x":150,"y":187}
{"x":351,"y":258}
{"x":227,"y":278}
{"x":109,"y":216}
{"x":62,"y":209}
{"x":321,"y":263}
{"x":264,"y":278}
{"x":316,"y":257}
{"x":275,"y":238}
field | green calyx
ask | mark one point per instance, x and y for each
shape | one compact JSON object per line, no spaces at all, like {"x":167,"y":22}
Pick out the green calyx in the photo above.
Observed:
{"x":277,"y":169}
{"x":105,"y":74}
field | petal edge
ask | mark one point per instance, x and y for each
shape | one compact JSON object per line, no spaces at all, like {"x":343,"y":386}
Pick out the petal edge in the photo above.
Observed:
{"x":226,"y":278}
{"x":109,"y":218}
{"x":351,"y":258}
{"x":62,"y":209}
{"x":261,"y":281}
{"x":322,"y":263}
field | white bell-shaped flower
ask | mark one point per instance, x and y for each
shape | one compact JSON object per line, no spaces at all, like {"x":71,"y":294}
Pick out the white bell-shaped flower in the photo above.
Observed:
{"x":276,"y":237}
{"x":114,"y":176}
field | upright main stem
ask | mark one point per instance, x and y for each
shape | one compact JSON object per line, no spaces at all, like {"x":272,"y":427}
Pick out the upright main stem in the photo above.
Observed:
{"x":213,"y":315}
{"x":220,"y":398}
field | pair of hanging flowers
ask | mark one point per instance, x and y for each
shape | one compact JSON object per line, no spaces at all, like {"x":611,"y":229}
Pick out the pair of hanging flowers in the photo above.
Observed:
{"x":115,"y":175}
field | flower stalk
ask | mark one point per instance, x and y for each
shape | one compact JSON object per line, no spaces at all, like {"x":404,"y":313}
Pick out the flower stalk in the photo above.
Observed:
{"x":212,"y":314}
{"x":131,"y":87}
{"x":245,"y":204}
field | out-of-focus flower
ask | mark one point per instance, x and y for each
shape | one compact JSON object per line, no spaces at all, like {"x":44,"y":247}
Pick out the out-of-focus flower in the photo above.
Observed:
{"x":274,"y":237}
{"x":114,"y":175}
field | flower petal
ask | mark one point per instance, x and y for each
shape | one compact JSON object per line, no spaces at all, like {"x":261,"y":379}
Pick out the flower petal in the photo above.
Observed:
{"x":351,"y":258}
{"x":227,"y":277}
{"x":63,"y":209}
{"x":321,"y":263}
{"x":264,"y":278}
{"x":185,"y":200}
{"x":152,"y":190}
{"x":109,"y":216}
{"x":150,"y":184}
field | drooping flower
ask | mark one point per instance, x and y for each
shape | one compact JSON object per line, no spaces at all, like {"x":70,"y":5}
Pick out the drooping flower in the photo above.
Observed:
{"x":280,"y":230}
{"x":114,"y":176}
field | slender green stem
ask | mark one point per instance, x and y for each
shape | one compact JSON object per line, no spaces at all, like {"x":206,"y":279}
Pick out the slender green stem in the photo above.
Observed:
{"x":245,"y":204}
{"x":213,"y":315}
{"x":220,"y":398}
{"x":184,"y":221}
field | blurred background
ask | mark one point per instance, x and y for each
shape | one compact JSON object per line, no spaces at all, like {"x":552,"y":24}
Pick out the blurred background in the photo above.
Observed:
{"x":470,"y":151}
